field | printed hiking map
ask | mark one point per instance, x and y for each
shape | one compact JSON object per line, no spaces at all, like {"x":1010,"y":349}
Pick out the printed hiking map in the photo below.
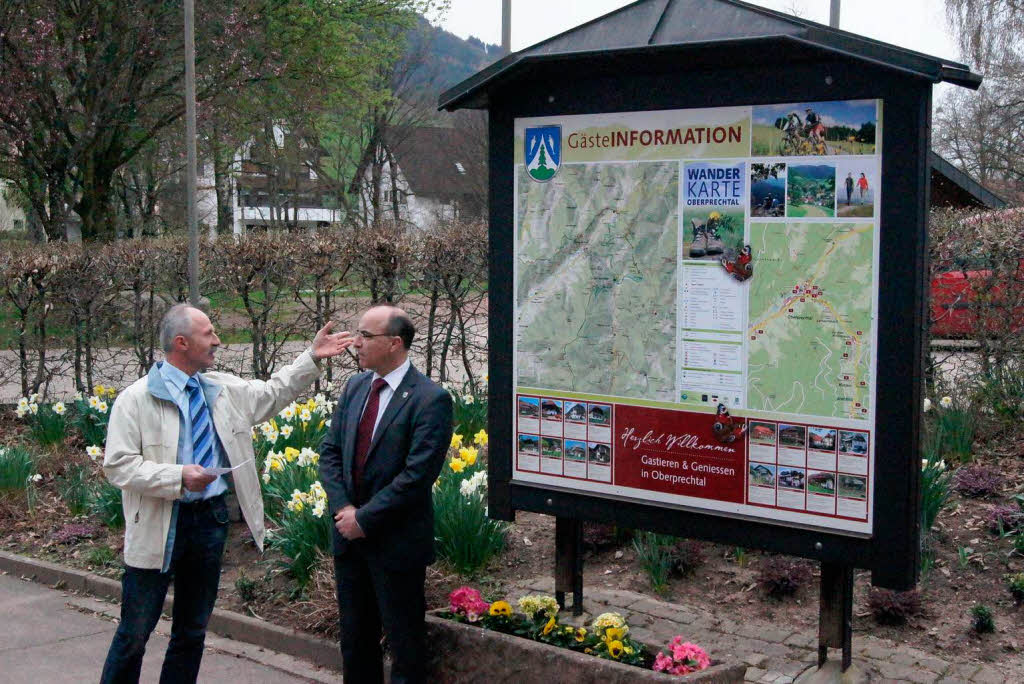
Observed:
{"x":597,"y":280}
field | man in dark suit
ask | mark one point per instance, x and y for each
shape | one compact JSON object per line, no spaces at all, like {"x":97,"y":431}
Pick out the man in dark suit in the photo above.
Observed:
{"x":387,"y":443}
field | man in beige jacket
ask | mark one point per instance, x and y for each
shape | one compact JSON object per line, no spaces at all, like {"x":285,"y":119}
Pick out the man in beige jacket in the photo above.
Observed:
{"x":166,"y":431}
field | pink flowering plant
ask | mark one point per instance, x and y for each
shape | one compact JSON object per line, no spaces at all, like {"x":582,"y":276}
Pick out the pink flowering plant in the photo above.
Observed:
{"x":466,"y":604}
{"x":683,"y":658}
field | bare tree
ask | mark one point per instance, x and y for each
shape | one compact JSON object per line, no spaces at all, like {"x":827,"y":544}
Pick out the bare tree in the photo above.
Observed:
{"x":982,"y":132}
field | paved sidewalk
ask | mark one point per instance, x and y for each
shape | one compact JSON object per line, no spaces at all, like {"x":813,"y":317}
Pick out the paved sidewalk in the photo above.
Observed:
{"x":47,"y":635}
{"x":774,"y":652}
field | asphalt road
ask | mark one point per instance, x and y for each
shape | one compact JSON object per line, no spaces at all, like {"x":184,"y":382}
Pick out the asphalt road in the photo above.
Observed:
{"x":47,"y":635}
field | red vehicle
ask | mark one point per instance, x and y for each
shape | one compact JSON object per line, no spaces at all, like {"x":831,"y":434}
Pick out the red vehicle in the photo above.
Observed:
{"x":966,"y":298}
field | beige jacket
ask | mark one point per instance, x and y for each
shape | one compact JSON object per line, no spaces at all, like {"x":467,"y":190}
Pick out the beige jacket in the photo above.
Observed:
{"x":142,"y":445}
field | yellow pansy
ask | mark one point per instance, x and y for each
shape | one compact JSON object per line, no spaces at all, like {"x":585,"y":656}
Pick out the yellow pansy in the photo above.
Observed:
{"x":615,"y":649}
{"x":501,"y":608}
{"x":613,"y":634}
{"x":549,"y":626}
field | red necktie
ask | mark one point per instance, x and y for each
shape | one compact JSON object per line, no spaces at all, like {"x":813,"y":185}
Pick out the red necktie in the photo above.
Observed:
{"x":364,"y":435}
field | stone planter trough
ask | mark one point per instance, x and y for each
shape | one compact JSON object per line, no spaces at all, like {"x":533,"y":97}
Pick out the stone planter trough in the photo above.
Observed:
{"x":462,"y":653}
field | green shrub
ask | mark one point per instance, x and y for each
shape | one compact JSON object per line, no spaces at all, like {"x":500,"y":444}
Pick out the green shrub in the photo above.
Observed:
{"x":654,"y":552}
{"x":469,"y":411}
{"x":76,"y":489}
{"x":1015,"y":584}
{"x":47,"y":422}
{"x":464,"y":535}
{"x":302,"y":535}
{"x":246,"y":588}
{"x":17,"y":466}
{"x":1002,"y":390}
{"x":106,"y":505}
{"x":982,"y":621}
{"x":952,"y":429}
{"x":101,"y":556}
{"x":91,"y":416}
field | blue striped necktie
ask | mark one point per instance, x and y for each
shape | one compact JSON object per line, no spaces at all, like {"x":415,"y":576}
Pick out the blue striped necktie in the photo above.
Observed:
{"x":202,"y":427}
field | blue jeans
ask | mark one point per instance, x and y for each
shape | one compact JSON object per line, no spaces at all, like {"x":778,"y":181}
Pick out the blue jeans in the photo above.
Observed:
{"x":201,"y":531}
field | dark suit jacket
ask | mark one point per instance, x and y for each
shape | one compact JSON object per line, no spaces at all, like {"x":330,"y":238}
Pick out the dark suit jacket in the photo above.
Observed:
{"x":405,"y":457}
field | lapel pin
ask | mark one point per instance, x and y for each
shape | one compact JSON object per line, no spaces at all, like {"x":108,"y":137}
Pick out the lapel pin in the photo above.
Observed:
{"x":405,"y":394}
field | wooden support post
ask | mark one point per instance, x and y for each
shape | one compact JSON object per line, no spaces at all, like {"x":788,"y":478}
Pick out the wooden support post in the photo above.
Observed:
{"x":835,"y":612}
{"x":569,"y":562}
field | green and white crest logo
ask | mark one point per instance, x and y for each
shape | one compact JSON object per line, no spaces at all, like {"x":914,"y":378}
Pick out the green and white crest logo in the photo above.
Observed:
{"x":543,"y":152}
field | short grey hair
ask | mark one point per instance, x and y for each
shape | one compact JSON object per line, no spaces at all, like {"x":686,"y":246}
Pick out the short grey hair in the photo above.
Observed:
{"x":177,"y":321}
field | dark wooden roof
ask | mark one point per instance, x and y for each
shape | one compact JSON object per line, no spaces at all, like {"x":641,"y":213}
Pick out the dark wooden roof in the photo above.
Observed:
{"x":650,"y":30}
{"x":951,"y":187}
{"x":430,"y":157}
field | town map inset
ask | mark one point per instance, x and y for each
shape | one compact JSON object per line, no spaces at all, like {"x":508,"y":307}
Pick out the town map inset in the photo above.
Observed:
{"x":810,"y":319}
{"x":596,"y":279}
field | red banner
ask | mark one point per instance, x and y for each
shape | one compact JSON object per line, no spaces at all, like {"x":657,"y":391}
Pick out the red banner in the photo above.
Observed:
{"x":680,"y":452}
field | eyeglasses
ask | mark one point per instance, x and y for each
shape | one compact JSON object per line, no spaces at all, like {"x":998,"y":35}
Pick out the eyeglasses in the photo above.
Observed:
{"x":369,"y":335}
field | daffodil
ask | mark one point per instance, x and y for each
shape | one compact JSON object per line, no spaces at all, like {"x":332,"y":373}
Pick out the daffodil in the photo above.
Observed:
{"x":468,"y":454}
{"x":468,"y":399}
{"x":94,"y":401}
{"x":286,"y":431}
{"x":102,"y":408}
{"x":946,"y":402}
{"x":288,"y":412}
{"x":93,"y":451}
{"x":290,"y":454}
{"x":480,"y":438}
{"x":457,"y":465}
{"x":456,"y":441}
{"x":59,"y":408}
{"x":305,"y":415}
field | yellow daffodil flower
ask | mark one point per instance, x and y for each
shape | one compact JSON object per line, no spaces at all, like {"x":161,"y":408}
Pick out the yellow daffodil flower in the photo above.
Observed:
{"x":468,"y":454}
{"x":457,"y":464}
{"x":480,"y":438}
{"x":456,"y":441}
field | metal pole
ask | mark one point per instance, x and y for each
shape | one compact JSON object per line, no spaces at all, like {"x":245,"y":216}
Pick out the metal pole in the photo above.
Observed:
{"x":190,"y":153}
{"x":506,"y":27}
{"x":833,"y":19}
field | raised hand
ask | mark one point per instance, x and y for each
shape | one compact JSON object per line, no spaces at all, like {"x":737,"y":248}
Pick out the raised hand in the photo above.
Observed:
{"x":327,"y":344}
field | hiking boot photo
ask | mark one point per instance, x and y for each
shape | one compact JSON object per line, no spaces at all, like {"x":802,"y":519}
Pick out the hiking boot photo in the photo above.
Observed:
{"x":699,"y":246}
{"x":714,"y":241}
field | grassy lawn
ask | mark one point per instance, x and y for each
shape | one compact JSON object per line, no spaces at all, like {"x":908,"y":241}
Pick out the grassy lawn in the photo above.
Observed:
{"x":801,"y":210}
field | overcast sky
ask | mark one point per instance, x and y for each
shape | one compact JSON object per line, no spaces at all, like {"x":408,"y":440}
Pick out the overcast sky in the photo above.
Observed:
{"x":914,"y":24}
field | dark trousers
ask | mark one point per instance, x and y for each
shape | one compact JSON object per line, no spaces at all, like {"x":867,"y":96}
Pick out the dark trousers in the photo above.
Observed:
{"x":372,"y":598}
{"x":201,"y":531}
